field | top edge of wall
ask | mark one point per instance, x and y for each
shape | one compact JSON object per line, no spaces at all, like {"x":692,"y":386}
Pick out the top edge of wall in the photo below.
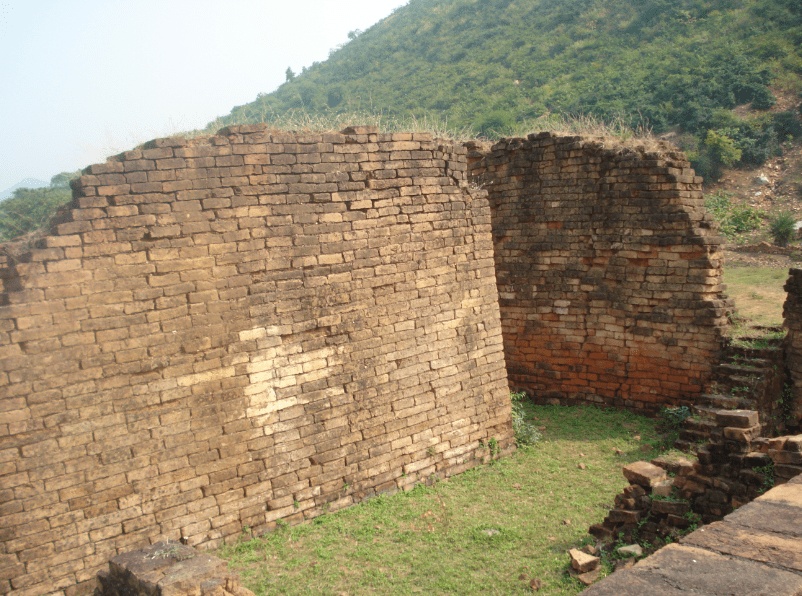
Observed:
{"x":649,"y":149}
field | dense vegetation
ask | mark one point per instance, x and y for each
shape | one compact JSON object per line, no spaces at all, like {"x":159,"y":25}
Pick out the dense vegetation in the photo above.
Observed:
{"x":501,"y":67}
{"x":29,"y":209}
{"x":489,"y":64}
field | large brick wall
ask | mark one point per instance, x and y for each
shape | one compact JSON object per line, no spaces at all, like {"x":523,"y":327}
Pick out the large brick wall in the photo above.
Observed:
{"x":607,"y":268}
{"x":232,"y":330}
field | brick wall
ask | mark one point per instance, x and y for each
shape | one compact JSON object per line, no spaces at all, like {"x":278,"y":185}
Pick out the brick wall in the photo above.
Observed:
{"x":237,"y":329}
{"x":792,"y":315}
{"x":607,"y":269}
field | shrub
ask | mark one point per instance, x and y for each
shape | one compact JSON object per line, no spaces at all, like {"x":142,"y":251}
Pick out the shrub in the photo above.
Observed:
{"x":495,"y":124}
{"x":719,"y":151}
{"x":732,"y":219}
{"x":781,"y":227}
{"x":675,"y":416}
{"x":525,"y":433}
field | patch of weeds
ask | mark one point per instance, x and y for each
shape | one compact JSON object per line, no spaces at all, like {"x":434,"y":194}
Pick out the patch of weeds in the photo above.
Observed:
{"x":525,"y":432}
{"x":733,"y":219}
{"x":171,"y":552}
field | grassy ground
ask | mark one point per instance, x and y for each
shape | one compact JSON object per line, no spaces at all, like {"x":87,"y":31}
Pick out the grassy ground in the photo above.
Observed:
{"x":758,"y":293}
{"x":488,"y":531}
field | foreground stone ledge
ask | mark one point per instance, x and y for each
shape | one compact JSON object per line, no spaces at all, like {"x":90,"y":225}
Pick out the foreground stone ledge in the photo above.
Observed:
{"x":753,"y":552}
{"x":168,"y":569}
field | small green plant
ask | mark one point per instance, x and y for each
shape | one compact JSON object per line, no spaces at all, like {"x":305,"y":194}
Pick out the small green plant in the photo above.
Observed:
{"x":525,"y":432}
{"x":493,"y":446}
{"x":767,"y":472}
{"x":296,"y":503}
{"x":781,"y":228}
{"x":732,"y":219}
{"x":675,"y":416}
{"x":430,"y":451}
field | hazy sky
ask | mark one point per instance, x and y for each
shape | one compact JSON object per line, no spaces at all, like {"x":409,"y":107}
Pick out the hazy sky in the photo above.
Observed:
{"x":83,"y":79}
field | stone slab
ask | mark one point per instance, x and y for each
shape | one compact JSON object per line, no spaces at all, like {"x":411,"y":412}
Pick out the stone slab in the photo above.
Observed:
{"x":786,"y":494}
{"x":769,"y":517}
{"x":681,"y":569}
{"x":738,"y":541}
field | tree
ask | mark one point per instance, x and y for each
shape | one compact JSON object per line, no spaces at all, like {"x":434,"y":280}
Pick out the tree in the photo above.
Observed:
{"x":62,"y":180}
{"x":29,"y":209}
{"x":289,"y":74}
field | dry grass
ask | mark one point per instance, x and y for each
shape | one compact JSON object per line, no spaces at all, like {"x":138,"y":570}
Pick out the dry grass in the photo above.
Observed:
{"x":758,"y":294}
{"x":615,"y":132}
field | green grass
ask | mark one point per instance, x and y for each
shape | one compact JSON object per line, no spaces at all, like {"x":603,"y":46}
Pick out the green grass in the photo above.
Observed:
{"x":476,"y":533}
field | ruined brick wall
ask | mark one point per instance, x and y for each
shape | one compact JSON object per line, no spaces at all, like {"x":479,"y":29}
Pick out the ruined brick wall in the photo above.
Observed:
{"x":607,"y":269}
{"x":792,"y":315}
{"x":237,"y":329}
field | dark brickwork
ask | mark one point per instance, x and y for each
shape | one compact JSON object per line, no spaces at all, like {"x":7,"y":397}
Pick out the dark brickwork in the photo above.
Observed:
{"x":608,"y":271}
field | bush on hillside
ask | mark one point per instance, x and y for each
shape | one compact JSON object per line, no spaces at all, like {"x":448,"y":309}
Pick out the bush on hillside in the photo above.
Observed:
{"x":781,"y":227}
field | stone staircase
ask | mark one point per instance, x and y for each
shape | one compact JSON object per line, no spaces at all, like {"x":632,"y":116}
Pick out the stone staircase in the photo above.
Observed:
{"x":749,"y":377}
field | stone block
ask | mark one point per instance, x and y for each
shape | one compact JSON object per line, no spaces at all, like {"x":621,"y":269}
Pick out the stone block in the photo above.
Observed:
{"x":737,"y":418}
{"x":742,"y":435}
{"x":644,"y":474}
{"x":582,"y":561}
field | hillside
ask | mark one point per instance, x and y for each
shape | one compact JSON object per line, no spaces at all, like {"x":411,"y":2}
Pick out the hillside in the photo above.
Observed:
{"x":721,"y":79}
{"x":492,"y":64}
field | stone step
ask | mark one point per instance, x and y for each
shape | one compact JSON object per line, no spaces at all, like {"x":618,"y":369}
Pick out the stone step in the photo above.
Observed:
{"x":705,"y":412}
{"x":683,"y":445}
{"x":726,"y":402}
{"x":757,"y":364}
{"x":694,"y":436}
{"x":739,"y":370}
{"x":704,"y":425}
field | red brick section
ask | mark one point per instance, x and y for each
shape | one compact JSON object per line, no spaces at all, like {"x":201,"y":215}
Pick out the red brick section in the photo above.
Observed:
{"x":755,"y":551}
{"x":608,"y":271}
{"x":238,"y":329}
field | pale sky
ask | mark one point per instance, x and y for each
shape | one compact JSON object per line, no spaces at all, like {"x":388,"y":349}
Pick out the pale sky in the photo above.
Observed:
{"x":85,"y":79}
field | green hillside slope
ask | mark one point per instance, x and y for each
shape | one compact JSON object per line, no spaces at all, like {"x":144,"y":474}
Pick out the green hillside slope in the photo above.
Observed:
{"x":489,"y":64}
